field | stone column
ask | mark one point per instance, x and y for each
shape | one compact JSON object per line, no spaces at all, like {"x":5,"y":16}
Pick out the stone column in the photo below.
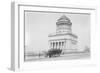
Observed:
{"x":65,"y":45}
{"x":59,"y":45}
{"x":62,"y":45}
{"x":51,"y":45}
{"x":54,"y":45}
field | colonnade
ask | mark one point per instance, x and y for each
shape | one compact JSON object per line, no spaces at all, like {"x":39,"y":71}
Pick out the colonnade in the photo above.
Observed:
{"x":57,"y":44}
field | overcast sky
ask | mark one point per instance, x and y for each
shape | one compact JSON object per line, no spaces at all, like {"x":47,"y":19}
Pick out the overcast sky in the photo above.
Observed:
{"x":38,"y":25}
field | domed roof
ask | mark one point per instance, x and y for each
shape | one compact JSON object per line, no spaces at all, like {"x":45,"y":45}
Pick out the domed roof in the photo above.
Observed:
{"x":63,"y":18}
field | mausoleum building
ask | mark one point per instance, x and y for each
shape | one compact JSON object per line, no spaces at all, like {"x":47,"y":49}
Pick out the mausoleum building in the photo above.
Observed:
{"x":63,"y":38}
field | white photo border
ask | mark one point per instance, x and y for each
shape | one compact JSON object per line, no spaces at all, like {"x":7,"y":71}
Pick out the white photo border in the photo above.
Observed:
{"x":18,"y":36}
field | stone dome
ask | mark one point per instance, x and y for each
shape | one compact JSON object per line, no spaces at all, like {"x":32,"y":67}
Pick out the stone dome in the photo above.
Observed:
{"x":63,"y":19}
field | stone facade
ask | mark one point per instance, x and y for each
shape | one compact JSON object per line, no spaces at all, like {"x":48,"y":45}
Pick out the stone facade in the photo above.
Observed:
{"x":63,"y":38}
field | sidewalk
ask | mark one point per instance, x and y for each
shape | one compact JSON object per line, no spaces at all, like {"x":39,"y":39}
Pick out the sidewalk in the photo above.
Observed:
{"x":61,"y":57}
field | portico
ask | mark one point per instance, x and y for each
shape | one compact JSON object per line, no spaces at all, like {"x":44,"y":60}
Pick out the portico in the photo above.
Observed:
{"x":57,"y":44}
